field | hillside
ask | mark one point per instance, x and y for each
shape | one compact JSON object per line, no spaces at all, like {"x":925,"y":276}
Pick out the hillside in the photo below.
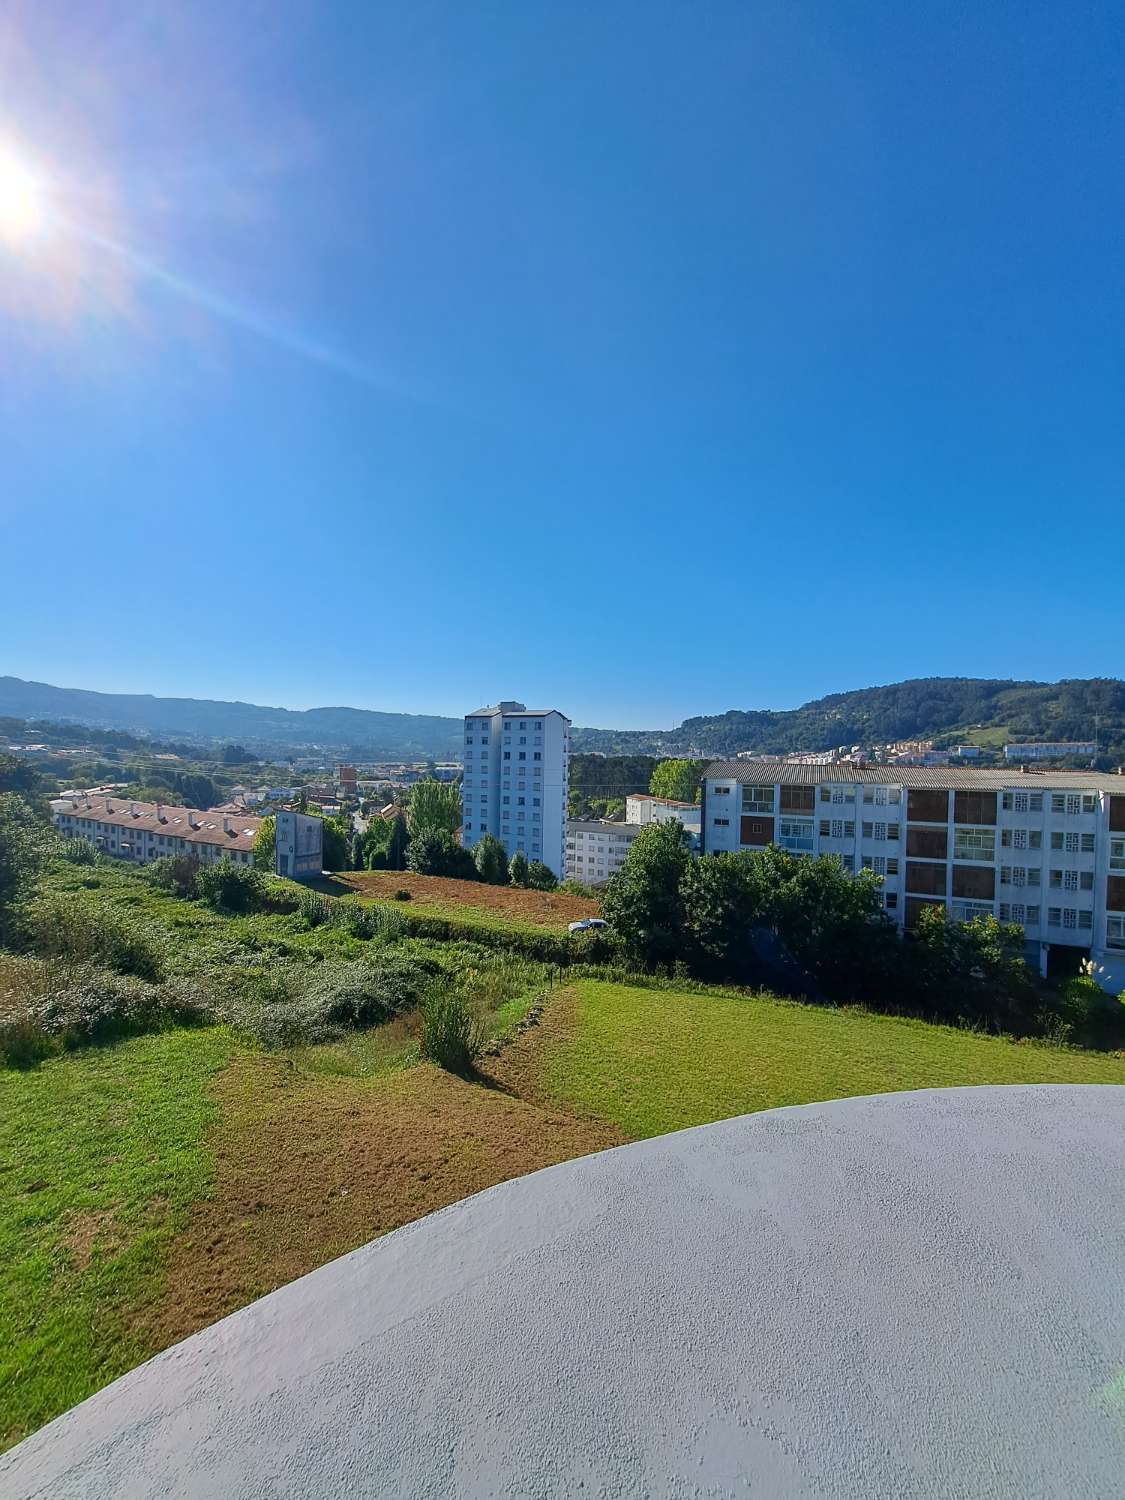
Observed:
{"x":982,"y":709}
{"x":946,"y":709}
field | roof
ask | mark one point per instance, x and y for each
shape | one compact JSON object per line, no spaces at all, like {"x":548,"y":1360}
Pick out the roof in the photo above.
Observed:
{"x":913,"y":1294}
{"x":783,"y":773}
{"x":601,"y":825}
{"x":239,"y":833}
{"x":514,"y":711}
{"x":664,"y":801}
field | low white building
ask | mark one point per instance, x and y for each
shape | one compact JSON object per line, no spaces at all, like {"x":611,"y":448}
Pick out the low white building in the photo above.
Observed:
{"x":641,"y":808}
{"x":1051,"y":750}
{"x":596,"y":849}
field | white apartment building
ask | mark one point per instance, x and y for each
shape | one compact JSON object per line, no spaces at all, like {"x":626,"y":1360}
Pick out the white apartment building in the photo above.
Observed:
{"x":1051,"y":750}
{"x":641,"y":808}
{"x":1044,"y":849}
{"x":596,"y":848}
{"x":144,"y":831}
{"x":517,"y":765}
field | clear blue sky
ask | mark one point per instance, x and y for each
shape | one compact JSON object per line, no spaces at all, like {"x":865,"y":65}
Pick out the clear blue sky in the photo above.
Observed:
{"x":641,"y":359}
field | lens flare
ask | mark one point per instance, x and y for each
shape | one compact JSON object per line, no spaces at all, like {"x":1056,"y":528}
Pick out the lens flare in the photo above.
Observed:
{"x":22,"y":202}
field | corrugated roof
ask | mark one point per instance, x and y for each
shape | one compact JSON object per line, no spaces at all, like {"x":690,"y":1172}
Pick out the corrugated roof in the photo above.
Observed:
{"x":664,"y":801}
{"x":593,"y":825}
{"x":174,"y":821}
{"x":781,"y":773}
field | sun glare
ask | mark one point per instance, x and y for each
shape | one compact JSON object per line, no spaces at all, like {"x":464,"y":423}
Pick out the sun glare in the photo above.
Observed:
{"x":22,"y":205}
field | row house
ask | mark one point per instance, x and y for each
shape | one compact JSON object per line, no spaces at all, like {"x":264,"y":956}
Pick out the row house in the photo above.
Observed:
{"x":144,"y":831}
{"x":1044,"y":849}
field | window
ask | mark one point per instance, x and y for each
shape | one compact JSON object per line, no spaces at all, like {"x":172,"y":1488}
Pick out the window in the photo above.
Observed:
{"x":837,"y":828}
{"x":796,"y":833}
{"x":890,"y":900}
{"x":869,"y":830}
{"x":1117,"y":854}
{"x":825,"y":828}
{"x":892,"y":831}
{"x":722,"y":822}
{"x":892,"y":865}
{"x":1086,"y":920}
{"x":535,"y":755}
{"x":507,"y":755}
{"x":1070,"y":879}
{"x":1087,"y":843}
{"x":1054,"y":916}
{"x":848,"y":862}
{"x":1056,"y":840}
{"x":1115,"y":932}
{"x":522,"y":754}
{"x":1070,"y":917}
{"x":967,"y":911}
{"x":756,"y":799}
{"x":974,"y":843}
{"x":876,"y":795}
{"x":1071,"y":843}
{"x":879,"y":865}
{"x":880,"y":833}
{"x":721,"y":791}
{"x":1058,"y":804}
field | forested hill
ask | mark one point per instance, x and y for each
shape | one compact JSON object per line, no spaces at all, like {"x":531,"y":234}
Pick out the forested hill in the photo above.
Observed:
{"x":945,"y":709}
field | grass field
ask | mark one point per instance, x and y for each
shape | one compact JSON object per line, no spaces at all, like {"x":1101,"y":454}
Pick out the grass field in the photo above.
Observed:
{"x":150,"y":1187}
{"x":502,"y":904}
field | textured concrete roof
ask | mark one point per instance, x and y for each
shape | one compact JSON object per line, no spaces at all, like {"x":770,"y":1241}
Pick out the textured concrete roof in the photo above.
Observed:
{"x":1003,"y":778}
{"x":909,"y":1295}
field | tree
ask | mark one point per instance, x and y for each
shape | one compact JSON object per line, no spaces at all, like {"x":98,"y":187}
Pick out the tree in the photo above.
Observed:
{"x":971,"y":971}
{"x":265,"y":845}
{"x":25,"y":842}
{"x":17,"y":775}
{"x":643,"y":902}
{"x":437,"y":852}
{"x":721,"y":907}
{"x":398,"y":844}
{"x":236,"y":755}
{"x":541,"y":877}
{"x":518,"y":868}
{"x":355,"y":850}
{"x":678,"y":780}
{"x":435,"y":806}
{"x":491,"y":860}
{"x":335,"y":845}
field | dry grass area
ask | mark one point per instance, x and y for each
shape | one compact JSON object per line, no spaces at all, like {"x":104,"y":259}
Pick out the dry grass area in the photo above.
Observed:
{"x":535,"y":908}
{"x":308,"y":1168}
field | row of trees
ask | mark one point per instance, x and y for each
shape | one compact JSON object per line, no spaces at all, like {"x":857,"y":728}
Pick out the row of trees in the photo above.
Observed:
{"x":768,"y":916}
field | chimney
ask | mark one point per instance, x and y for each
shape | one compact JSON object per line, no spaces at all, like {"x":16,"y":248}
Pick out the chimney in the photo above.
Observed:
{"x":191,"y":818}
{"x":226,"y":825}
{"x":160,"y":812}
{"x":132,"y":809}
{"x":108,"y":804}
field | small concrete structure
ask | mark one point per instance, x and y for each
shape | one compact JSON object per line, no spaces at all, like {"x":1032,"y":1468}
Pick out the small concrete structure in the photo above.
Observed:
{"x":901,"y":1296}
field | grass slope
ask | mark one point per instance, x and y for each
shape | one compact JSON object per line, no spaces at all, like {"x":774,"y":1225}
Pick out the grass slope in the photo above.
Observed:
{"x":102,"y":1155}
{"x":651,"y":1060}
{"x":499,"y":906}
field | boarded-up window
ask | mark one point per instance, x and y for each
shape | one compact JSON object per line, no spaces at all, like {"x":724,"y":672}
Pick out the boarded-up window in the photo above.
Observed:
{"x":927,"y":880}
{"x":757,"y":831}
{"x":974,"y":807}
{"x":797,"y":798}
{"x":927,"y":807}
{"x":927,"y":843}
{"x":975,"y":881}
{"x":915,"y":906}
{"x":1117,"y":814}
{"x":1115,"y":893}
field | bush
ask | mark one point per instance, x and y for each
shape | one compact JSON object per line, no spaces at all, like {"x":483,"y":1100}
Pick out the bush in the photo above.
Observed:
{"x":231,"y":888}
{"x":437,"y":852}
{"x":72,"y":930}
{"x":401,"y":895}
{"x":573,"y":887}
{"x":1084,"y":1014}
{"x":24,"y":1044}
{"x":541,"y":877}
{"x":452,"y":1037}
{"x":176,"y":873}
{"x":294,"y":1005}
{"x":491,"y":860}
{"x":518,"y":868}
{"x":79,"y":851}
{"x":315,"y":908}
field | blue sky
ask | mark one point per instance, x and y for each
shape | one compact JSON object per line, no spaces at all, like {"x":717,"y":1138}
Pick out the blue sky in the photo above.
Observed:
{"x":642,"y":359}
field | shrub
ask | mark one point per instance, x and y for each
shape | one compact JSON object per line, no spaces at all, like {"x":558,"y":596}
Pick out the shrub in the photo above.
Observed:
{"x":452,"y":1037}
{"x":571,"y":887}
{"x":177,"y":873}
{"x":1083,"y":1013}
{"x":491,"y":860}
{"x":79,"y":851}
{"x":291,"y":1006}
{"x":401,"y":895}
{"x":84,"y":934}
{"x":437,"y":852}
{"x":518,"y":868}
{"x":24,"y":1044}
{"x":231,"y":888}
{"x":316,"y":908}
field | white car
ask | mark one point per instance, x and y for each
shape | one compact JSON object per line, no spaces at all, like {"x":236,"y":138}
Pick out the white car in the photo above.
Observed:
{"x":587,"y":924}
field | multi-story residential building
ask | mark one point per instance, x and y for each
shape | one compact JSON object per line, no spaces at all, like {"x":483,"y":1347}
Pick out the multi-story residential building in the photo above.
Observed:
{"x":1044,"y":849}
{"x":641,"y":808}
{"x":596,"y":848}
{"x":517,"y":764}
{"x":143,"y":831}
{"x":1051,"y":750}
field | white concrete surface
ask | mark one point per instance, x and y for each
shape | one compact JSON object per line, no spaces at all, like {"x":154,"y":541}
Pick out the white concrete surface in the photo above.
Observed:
{"x":909,"y":1295}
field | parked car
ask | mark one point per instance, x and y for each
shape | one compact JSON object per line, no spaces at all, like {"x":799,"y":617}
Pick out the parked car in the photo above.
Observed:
{"x":587,"y":924}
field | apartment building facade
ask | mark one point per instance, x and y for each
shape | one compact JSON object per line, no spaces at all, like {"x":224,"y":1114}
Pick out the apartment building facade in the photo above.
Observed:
{"x":1044,"y":849}
{"x":144,"y":831}
{"x":596,"y":848}
{"x":516,"y":781}
{"x":1050,"y":750}
{"x":642,"y":808}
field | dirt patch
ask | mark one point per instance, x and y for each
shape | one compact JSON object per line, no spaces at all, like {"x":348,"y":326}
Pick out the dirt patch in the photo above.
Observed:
{"x":518,"y":1069}
{"x":540,"y":908}
{"x":88,"y":1230}
{"x":308,"y":1168}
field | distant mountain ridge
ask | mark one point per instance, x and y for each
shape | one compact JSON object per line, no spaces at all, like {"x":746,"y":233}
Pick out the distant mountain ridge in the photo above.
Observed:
{"x":922,"y":708}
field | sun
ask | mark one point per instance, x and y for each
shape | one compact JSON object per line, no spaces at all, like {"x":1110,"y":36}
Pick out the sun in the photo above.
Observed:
{"x":22,"y":199}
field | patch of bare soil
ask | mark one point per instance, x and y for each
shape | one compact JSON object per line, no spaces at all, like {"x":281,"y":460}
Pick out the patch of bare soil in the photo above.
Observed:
{"x":310,"y":1167}
{"x":541,"y":908}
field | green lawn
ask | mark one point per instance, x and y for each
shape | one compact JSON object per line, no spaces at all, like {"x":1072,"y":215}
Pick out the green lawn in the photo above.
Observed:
{"x":101,"y":1155}
{"x":651,"y":1060}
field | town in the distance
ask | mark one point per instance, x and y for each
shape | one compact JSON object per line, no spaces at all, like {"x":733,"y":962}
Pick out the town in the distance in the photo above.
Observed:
{"x":1026,"y":831}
